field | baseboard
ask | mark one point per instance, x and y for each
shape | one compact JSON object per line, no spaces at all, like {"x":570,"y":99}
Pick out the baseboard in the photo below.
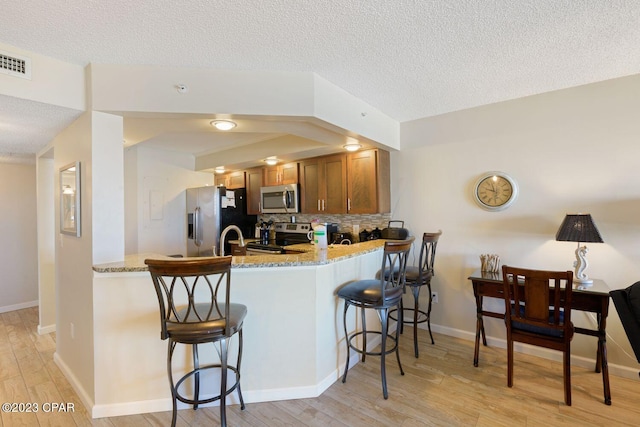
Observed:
{"x":43,"y":330}
{"x":159,"y":405}
{"x":583,"y":362}
{"x":20,"y":306}
{"x":87,"y":401}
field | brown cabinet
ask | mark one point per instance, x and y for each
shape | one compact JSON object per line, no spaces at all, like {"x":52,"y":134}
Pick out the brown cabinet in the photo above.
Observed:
{"x":323,"y":184}
{"x":281,"y":174}
{"x":231,"y":180}
{"x":368,"y":188}
{"x":254,"y":182}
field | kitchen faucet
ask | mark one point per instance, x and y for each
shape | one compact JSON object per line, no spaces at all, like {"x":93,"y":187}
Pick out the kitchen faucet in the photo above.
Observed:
{"x":224,"y":234}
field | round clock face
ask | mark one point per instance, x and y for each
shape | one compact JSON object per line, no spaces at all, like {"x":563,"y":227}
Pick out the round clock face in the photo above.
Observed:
{"x":495,"y":191}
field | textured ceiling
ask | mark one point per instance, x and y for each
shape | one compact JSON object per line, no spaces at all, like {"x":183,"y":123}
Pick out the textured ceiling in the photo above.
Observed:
{"x":408,"y":58}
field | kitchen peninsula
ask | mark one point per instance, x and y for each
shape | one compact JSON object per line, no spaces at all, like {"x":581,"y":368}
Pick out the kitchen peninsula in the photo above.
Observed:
{"x":293,"y":336}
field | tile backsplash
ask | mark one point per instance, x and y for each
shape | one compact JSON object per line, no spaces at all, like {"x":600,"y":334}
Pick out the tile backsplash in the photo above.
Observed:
{"x":346,"y":222}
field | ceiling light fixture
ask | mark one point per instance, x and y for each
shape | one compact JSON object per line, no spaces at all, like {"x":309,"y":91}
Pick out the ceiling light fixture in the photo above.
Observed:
{"x":352,"y":146}
{"x":223,"y":124}
{"x":219,"y":169}
{"x":271,"y":161}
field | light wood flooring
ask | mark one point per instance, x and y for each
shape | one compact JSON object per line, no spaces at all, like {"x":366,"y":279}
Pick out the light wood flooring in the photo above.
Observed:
{"x":440,"y":388}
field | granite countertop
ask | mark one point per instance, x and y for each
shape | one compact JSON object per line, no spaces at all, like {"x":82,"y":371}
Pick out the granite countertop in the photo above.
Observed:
{"x":308,"y":256}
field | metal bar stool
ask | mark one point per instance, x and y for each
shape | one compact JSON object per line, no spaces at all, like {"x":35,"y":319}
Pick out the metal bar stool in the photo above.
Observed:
{"x":213,"y":319}
{"x":380,"y":294}
{"x":417,"y":277}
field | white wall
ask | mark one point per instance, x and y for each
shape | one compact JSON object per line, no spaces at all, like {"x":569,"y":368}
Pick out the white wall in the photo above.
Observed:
{"x":570,"y":151}
{"x":46,"y":242}
{"x":95,"y":140}
{"x":52,"y":81}
{"x":18,"y":252}
{"x":162,"y":176}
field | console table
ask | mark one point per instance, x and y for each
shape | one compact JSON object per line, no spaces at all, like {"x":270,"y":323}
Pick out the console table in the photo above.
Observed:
{"x":593,"y":299}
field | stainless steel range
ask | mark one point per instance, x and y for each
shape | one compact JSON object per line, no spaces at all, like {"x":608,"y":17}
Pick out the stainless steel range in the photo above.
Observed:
{"x":287,"y":233}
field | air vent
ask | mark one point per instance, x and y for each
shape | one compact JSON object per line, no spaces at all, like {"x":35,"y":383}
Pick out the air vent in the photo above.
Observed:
{"x":15,"y":65}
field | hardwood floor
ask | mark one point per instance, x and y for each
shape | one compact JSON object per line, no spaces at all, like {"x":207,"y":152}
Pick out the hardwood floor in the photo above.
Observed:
{"x":440,"y":388}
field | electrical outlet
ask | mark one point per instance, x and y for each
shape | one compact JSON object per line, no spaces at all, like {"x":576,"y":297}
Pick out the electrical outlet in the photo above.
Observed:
{"x":434,"y":297}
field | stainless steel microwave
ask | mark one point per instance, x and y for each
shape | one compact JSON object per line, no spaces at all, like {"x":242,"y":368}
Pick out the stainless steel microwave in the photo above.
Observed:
{"x":280,"y":199}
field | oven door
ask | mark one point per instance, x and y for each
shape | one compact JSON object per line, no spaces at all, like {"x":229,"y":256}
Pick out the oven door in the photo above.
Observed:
{"x":279,"y":199}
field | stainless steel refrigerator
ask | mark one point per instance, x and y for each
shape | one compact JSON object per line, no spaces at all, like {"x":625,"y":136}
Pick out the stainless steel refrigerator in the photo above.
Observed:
{"x":209,"y":211}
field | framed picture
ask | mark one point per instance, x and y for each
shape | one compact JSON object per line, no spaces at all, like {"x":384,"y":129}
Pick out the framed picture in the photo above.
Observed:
{"x":70,"y":199}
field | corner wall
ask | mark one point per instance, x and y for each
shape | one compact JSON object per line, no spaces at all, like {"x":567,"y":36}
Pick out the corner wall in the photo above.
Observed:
{"x":574,"y":150}
{"x":18,"y":252}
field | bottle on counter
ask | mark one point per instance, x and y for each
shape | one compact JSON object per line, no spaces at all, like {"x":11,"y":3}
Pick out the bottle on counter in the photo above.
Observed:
{"x":320,"y":236}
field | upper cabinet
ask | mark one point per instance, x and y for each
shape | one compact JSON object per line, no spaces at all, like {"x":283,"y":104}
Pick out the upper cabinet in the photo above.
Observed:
{"x":254,"y":182}
{"x":368,"y":187}
{"x":281,"y":174}
{"x":231,"y":180}
{"x":323,"y":184}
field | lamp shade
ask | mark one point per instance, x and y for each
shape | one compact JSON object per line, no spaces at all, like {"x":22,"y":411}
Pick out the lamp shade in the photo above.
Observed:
{"x":578,"y":228}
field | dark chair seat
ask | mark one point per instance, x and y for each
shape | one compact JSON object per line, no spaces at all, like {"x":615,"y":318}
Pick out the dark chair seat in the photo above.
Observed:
{"x":413,"y":273}
{"x":538,"y":329}
{"x":194,"y":330}
{"x":368,"y":292}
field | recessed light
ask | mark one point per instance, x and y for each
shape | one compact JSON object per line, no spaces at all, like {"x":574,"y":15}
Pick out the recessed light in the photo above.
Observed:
{"x":223,"y":124}
{"x":352,"y":147}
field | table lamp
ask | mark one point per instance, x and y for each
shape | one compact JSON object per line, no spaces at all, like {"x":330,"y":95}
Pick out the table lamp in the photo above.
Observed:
{"x":579,"y":228}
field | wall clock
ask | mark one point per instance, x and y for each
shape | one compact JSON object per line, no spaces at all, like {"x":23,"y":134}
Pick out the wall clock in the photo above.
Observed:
{"x":495,"y":191}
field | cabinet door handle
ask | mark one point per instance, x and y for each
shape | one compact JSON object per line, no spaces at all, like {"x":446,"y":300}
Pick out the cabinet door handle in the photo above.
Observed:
{"x":323,"y":204}
{"x":318,"y":205}
{"x":348,"y":204}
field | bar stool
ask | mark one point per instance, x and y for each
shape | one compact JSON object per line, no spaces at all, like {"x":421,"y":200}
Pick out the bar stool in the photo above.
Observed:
{"x":213,"y":319}
{"x":416,"y":278}
{"x":380,"y":294}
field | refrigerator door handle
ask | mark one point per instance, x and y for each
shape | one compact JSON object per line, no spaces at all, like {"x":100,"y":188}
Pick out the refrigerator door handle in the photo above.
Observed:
{"x":196,"y":227}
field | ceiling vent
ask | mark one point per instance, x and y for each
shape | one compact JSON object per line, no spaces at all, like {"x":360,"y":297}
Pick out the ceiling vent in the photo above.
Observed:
{"x":15,"y":65}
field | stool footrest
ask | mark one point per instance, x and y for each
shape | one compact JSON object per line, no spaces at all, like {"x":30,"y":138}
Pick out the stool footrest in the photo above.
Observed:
{"x":211,"y":399}
{"x":372,"y":353}
{"x":423,"y":316}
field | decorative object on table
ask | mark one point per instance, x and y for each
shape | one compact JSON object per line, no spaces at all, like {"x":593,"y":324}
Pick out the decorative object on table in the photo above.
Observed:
{"x":490,"y":263}
{"x":495,"y":191}
{"x":579,"y":228}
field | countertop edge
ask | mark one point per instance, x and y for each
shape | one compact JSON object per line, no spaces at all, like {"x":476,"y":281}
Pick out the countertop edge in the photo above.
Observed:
{"x":309,"y":257}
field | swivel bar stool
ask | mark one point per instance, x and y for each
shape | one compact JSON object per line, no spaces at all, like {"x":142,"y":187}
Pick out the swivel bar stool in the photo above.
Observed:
{"x":213,"y":319}
{"x":380,"y":294}
{"x":417,"y":277}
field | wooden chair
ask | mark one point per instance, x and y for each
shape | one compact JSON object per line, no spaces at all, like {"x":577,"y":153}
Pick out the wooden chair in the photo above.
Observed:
{"x":538,"y":312}
{"x":380,"y":294}
{"x":193,"y":295}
